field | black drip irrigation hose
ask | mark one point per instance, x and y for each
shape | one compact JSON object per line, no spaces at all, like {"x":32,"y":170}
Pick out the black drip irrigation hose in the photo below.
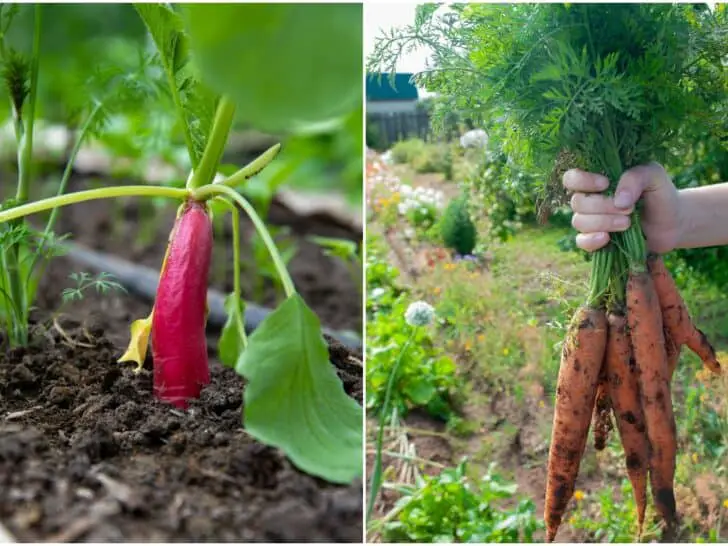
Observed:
{"x":142,"y":282}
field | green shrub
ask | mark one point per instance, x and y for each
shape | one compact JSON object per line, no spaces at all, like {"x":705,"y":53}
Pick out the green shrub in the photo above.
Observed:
{"x":432,"y":159}
{"x":406,"y":151}
{"x":449,"y":508}
{"x":456,"y":227}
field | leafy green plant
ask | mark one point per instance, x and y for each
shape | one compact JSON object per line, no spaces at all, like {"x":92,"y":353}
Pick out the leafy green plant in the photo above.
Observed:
{"x":426,"y":377}
{"x":293,"y":398}
{"x":456,"y":227}
{"x":103,"y":283}
{"x":616,"y":521}
{"x":450,"y":507}
{"x":503,"y":193}
{"x":406,"y":151}
{"x":434,"y":158}
{"x":346,"y":251}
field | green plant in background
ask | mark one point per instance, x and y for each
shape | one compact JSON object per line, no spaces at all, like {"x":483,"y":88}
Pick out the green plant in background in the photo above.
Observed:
{"x":453,"y":508}
{"x":616,"y":521}
{"x":293,"y":398}
{"x":102,"y":283}
{"x":406,"y":151}
{"x":456,"y":227}
{"x":425,"y":377}
{"x":391,"y":378}
{"x":502,"y":192}
{"x":346,"y":251}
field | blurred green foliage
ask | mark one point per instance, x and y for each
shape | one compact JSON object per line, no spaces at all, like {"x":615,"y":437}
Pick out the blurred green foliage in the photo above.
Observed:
{"x":103,"y":53}
{"x":426,"y":377}
{"x":457,"y":228}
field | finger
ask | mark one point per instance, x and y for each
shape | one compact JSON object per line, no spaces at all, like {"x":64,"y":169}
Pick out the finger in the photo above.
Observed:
{"x":582,"y":181}
{"x":592,"y":241}
{"x":635,"y":182}
{"x":594,"y":203}
{"x":594,"y":223}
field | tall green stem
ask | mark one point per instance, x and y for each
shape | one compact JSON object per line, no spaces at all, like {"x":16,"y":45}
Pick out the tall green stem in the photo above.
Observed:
{"x":64,"y":183}
{"x":236,"y":273}
{"x":91,"y":195}
{"x":24,"y":126}
{"x":206,"y":170}
{"x":600,"y":275}
{"x":377,"y":471}
{"x":635,"y":245}
{"x":212,"y":190}
{"x":25,"y":149}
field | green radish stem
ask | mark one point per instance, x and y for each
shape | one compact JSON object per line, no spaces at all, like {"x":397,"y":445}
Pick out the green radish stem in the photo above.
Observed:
{"x":252,"y":168}
{"x":236,"y":269}
{"x":213,"y":190}
{"x":206,"y":170}
{"x":91,"y":195}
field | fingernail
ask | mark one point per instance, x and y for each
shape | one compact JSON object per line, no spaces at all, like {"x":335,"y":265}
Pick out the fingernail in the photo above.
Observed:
{"x":620,"y":222}
{"x":602,"y":182}
{"x":622,"y":200}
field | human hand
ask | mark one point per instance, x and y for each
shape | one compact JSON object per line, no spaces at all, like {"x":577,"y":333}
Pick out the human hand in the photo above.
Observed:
{"x":596,"y":215}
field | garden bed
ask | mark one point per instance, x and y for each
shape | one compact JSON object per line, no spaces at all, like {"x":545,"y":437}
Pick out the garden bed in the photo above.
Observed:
{"x":87,"y":453}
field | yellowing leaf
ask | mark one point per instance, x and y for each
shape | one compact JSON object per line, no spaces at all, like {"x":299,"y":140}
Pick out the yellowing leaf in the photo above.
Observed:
{"x":139,"y":342}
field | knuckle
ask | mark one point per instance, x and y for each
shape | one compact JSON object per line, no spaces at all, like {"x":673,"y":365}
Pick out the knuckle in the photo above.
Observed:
{"x":576,"y":221}
{"x":575,"y":201}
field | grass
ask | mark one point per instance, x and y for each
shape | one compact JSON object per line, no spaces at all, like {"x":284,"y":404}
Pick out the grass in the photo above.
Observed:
{"x":503,"y":324}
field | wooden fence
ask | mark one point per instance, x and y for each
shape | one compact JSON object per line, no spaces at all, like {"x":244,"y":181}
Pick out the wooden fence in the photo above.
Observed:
{"x":384,"y":129}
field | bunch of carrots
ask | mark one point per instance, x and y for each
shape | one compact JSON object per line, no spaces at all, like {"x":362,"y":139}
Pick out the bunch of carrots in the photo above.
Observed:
{"x":618,"y":357}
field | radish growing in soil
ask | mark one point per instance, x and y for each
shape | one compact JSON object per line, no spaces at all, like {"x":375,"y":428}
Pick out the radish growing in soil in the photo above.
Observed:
{"x":293,"y":399}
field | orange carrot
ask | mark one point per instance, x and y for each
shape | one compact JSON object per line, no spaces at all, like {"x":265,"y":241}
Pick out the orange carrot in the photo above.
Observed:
{"x":581,"y":362}
{"x":648,"y":345}
{"x":673,"y":352}
{"x":623,"y":387}
{"x":676,"y":317}
{"x":602,"y":420}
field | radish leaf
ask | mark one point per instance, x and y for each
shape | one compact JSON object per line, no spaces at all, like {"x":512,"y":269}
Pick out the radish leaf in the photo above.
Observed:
{"x":289,"y":67}
{"x":231,"y":343}
{"x":294,"y":399}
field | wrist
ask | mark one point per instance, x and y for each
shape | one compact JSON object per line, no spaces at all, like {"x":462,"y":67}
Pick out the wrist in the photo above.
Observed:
{"x":682,"y":218}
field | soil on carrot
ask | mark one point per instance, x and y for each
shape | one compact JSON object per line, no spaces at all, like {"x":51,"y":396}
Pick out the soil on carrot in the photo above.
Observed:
{"x":87,"y":454}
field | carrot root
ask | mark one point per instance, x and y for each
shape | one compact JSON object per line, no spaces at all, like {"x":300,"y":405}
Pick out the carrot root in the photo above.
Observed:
{"x":676,"y":317}
{"x":581,"y":362}
{"x":623,"y":388}
{"x":648,"y":344}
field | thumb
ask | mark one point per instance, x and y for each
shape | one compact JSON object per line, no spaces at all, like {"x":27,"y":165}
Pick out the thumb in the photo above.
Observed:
{"x":634,"y":183}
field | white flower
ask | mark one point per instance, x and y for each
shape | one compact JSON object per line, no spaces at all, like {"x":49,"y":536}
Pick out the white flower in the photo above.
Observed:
{"x":419,"y":313}
{"x":377,"y":292}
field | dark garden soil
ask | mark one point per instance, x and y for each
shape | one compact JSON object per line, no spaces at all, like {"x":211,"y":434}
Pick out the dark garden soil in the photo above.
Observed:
{"x":87,"y":454}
